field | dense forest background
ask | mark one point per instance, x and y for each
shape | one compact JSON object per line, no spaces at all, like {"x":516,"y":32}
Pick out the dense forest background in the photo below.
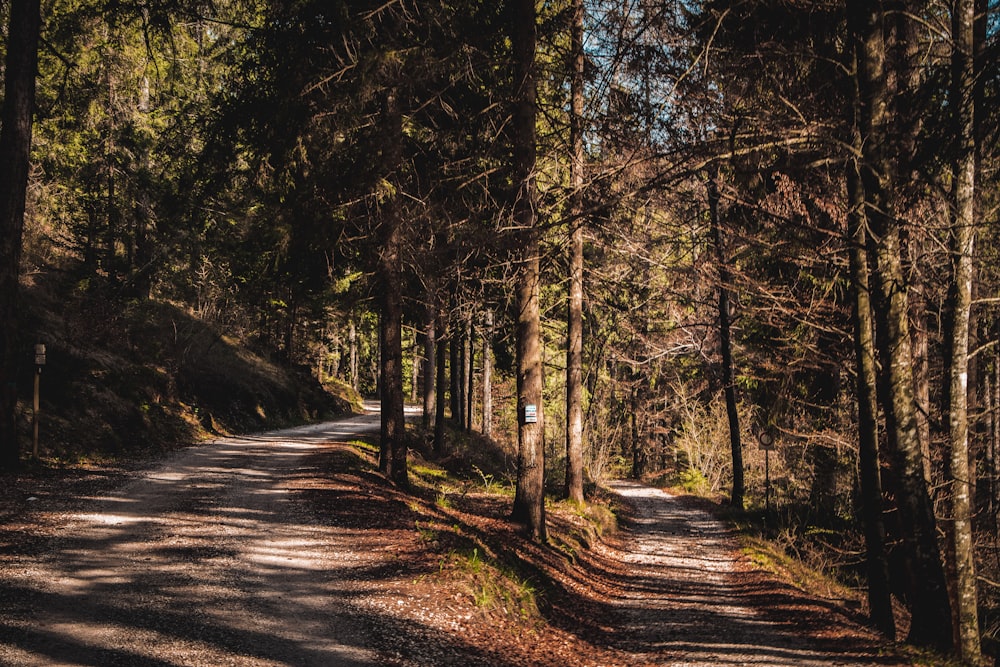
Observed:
{"x":679,"y":230}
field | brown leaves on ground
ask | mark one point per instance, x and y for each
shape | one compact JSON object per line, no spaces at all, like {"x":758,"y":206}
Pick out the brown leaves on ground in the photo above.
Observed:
{"x":449,"y":580}
{"x":461,"y":584}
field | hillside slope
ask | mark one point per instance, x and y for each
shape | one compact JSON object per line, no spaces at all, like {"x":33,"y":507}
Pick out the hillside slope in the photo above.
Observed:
{"x":126,"y":376}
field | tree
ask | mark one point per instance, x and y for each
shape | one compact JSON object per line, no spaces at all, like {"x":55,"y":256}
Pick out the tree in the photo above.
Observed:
{"x":15,"y":146}
{"x":869,"y":470}
{"x":487,"y":354}
{"x":392,"y":456}
{"x":929,"y":603}
{"x":736,"y":498}
{"x":529,"y":498}
{"x":963,"y":239}
{"x":429,"y":369}
{"x":574,"y":317}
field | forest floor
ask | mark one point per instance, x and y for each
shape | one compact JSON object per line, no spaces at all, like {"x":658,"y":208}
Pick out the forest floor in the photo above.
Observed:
{"x":286,"y":549}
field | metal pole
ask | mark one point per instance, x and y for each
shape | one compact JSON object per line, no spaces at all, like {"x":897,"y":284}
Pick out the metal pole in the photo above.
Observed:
{"x":767,"y":481}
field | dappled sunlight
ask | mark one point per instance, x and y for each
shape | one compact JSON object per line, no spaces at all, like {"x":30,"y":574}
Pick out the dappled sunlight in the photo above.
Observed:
{"x":274,"y":555}
{"x":681,"y":595}
{"x":199,"y":560}
{"x":110,"y":519}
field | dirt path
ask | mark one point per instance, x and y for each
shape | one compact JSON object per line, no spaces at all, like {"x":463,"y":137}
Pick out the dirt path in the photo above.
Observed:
{"x":204,"y":561}
{"x":277,"y":550}
{"x":690,"y":601}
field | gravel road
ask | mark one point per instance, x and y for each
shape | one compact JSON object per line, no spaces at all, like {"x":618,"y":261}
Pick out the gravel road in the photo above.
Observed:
{"x":690,"y":602}
{"x":221,"y":554}
{"x":203,"y":561}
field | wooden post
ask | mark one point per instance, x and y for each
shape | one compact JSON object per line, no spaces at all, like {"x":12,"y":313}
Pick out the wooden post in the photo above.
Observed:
{"x":39,"y":362}
{"x":34,"y":415}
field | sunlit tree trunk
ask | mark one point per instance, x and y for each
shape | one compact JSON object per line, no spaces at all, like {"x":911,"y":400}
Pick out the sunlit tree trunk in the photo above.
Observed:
{"x":529,"y":498}
{"x":574,"y":320}
{"x":963,"y":237}
{"x":928,"y":596}
{"x":15,"y":148}
{"x":922,"y":382}
{"x":488,"y":374}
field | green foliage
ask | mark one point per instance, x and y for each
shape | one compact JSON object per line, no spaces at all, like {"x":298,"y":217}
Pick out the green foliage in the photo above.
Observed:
{"x":694,"y":481}
{"x":491,"y":484}
{"x":494,"y":587}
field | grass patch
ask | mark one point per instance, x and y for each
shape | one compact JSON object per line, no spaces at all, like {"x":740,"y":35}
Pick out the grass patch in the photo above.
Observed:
{"x":492,"y":485}
{"x":491,"y":586}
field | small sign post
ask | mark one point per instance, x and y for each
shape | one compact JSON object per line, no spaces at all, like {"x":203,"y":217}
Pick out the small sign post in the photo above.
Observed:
{"x":39,"y":362}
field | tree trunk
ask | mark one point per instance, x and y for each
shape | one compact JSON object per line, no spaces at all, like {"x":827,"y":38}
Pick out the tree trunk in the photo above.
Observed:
{"x":111,"y":194}
{"x":468,"y":370}
{"x":725,"y":342}
{"x":488,"y":374}
{"x":638,"y":452}
{"x":441,"y":403}
{"x":929,"y":604}
{"x":869,"y":475}
{"x":417,"y":364}
{"x":455,"y":368}
{"x":993,"y":447}
{"x":574,"y":317}
{"x":288,"y":336}
{"x":529,"y":497}
{"x":352,"y":340}
{"x":963,"y":235}
{"x":430,"y":363}
{"x":392,"y":459}
{"x":922,"y":382}
{"x":15,"y":150}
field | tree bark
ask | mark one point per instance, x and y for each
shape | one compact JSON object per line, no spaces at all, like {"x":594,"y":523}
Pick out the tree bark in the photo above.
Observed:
{"x":488,"y":374}
{"x":455,"y":367}
{"x":468,"y":370}
{"x":725,"y":342}
{"x":15,"y":150}
{"x":922,"y":382}
{"x":869,"y":474}
{"x":392,"y":459}
{"x":993,"y":444}
{"x":430,"y":364}
{"x":529,"y":497}
{"x":441,"y":403}
{"x":352,"y":342}
{"x":574,"y":318}
{"x":929,"y":603}
{"x":993,"y":448}
{"x":963,"y":237}
{"x":416,"y":365}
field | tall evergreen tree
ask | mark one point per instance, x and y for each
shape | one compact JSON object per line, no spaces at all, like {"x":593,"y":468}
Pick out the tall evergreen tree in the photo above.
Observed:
{"x":15,"y":147}
{"x":529,"y":499}
{"x":963,"y":239}
{"x":929,"y":603}
{"x":574,"y":317}
{"x":869,"y":469}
